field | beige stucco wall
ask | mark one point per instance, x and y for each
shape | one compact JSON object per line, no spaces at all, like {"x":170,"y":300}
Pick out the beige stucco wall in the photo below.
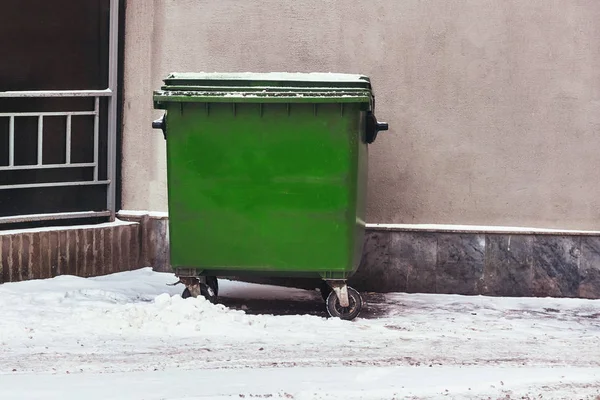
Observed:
{"x":494,"y":106}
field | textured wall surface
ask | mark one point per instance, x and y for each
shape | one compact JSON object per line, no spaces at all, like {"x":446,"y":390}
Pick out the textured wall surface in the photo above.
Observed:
{"x":154,"y":239}
{"x":494,"y":106}
{"x":81,"y":251}
{"x":138,"y":240}
{"x":414,"y":261}
{"x":524,"y":265}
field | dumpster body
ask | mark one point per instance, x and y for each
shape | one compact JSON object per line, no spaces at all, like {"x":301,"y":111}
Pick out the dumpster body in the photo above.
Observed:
{"x":267,"y":174}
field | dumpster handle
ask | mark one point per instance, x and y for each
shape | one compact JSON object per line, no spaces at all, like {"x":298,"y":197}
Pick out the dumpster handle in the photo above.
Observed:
{"x":160,"y":123}
{"x":373,"y":127}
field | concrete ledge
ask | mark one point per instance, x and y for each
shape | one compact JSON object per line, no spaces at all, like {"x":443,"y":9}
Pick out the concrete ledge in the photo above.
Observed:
{"x":499,"y":264}
{"x":470,"y":260}
{"x":453,"y":259}
{"x":438,"y":228}
{"x":82,"y":250}
{"x":154,"y":237}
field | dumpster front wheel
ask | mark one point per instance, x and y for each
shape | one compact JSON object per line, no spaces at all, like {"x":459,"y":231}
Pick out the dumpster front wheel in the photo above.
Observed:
{"x":205,"y":291}
{"x":335,"y":309}
{"x":213,"y":283}
{"x":208,"y":290}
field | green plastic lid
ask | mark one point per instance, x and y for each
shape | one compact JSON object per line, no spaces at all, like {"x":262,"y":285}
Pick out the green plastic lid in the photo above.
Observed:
{"x":264,"y":87}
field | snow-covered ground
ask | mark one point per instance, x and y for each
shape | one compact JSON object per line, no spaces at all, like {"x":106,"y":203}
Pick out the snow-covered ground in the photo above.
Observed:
{"x":130,"y":336}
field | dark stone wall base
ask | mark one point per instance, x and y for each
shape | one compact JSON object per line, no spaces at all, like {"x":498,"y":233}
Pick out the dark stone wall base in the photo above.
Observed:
{"x":524,"y":264}
{"x":497,"y":264}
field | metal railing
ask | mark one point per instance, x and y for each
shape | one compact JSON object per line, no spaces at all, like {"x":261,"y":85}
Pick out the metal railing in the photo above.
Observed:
{"x":108,"y":93}
{"x":40,"y":137}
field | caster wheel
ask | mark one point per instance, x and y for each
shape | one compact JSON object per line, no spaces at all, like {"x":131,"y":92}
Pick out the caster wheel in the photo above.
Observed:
{"x":335,"y":310}
{"x":208,"y":293}
{"x":325,"y":290}
{"x":213,"y":283}
{"x":205,"y":290}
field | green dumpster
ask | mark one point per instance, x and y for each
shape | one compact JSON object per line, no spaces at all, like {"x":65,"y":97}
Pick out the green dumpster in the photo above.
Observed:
{"x":267,"y":175}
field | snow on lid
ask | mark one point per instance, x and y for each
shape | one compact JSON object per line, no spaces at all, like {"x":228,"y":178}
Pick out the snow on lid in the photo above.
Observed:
{"x":271,"y":76}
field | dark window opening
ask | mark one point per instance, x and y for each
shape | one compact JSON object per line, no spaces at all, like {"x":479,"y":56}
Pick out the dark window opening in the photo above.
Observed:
{"x":53,"y":45}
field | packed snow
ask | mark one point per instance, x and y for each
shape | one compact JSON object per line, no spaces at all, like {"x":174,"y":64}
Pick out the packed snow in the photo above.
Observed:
{"x":131,"y":336}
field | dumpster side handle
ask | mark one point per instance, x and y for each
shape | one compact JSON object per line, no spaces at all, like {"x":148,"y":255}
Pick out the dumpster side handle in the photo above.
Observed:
{"x":160,"y":123}
{"x":373,"y":127}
